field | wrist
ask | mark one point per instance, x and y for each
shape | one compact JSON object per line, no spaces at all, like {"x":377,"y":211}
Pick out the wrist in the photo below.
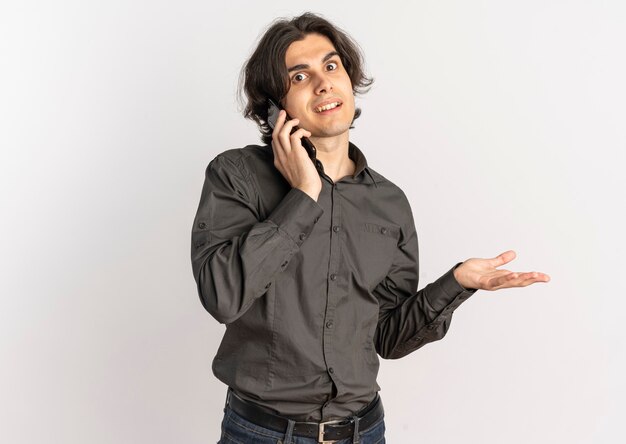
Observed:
{"x":458,"y":275}
{"x":314,"y":193}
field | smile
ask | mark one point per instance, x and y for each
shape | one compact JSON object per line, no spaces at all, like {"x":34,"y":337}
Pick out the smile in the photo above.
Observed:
{"x":327,"y":107}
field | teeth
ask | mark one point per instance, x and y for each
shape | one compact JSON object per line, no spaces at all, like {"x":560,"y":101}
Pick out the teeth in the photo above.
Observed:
{"x":327,"y":107}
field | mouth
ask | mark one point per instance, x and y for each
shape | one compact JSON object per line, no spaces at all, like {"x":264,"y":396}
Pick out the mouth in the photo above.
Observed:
{"x":328,"y":106}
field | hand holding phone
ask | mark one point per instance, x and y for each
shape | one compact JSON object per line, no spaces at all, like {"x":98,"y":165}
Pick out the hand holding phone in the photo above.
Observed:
{"x":298,"y":172}
{"x":272,"y":116}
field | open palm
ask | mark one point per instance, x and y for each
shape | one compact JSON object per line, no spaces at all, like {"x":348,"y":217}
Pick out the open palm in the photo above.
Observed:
{"x":483,"y":274}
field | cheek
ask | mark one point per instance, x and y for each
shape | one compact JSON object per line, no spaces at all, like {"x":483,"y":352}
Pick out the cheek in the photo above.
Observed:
{"x":349,"y":105}
{"x":348,"y":94}
{"x":295,"y":104}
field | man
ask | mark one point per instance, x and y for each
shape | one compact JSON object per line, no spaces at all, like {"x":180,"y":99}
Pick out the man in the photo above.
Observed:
{"x":311,"y":259}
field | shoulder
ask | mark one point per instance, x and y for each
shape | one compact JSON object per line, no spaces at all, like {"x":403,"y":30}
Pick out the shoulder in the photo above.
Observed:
{"x":240,"y":160}
{"x":248,"y":153}
{"x":384,"y":187}
{"x":387,"y":187}
{"x":235,"y":170}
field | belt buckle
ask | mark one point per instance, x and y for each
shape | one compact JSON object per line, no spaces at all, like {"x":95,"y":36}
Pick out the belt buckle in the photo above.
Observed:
{"x":320,"y":435}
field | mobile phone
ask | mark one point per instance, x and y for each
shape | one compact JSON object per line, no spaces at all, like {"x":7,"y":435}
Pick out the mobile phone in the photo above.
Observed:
{"x":272,"y":117}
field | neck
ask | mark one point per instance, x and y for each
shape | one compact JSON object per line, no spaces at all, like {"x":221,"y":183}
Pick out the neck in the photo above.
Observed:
{"x":333,"y":153}
{"x":335,"y":144}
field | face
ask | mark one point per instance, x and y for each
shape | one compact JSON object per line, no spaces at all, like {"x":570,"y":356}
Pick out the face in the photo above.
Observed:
{"x":320,"y":93}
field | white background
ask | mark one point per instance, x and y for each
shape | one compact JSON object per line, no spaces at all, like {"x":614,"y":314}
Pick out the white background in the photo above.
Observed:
{"x":503,"y":121}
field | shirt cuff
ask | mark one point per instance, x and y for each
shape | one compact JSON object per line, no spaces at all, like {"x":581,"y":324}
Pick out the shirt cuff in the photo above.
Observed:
{"x":296,"y":215}
{"x":452,"y":293}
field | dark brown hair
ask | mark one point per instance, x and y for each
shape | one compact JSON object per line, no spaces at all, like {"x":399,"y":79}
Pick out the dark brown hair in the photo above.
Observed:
{"x":265,"y":76}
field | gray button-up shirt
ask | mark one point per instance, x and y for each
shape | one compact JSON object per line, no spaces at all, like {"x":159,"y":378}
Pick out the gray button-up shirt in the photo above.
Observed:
{"x":311,"y":292}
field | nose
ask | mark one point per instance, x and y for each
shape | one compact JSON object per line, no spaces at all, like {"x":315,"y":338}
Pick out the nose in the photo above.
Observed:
{"x":324,"y":85}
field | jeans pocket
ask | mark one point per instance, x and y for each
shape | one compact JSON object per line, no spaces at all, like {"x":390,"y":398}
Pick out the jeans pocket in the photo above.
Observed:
{"x":375,"y":434}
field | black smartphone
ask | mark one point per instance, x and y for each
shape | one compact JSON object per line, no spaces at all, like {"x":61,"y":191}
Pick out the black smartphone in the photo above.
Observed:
{"x":272,"y":117}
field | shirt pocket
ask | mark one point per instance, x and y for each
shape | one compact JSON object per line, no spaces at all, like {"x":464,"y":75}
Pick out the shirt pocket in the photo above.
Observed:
{"x":377,"y":246}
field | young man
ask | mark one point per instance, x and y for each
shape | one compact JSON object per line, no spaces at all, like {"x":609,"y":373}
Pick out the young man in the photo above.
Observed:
{"x":311,"y":259}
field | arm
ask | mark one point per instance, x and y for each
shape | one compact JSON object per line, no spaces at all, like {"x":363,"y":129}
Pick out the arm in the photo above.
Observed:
{"x":235,"y":256}
{"x":409,"y":319}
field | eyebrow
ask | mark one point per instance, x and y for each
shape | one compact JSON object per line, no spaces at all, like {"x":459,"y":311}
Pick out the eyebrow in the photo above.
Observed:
{"x":304,"y":66}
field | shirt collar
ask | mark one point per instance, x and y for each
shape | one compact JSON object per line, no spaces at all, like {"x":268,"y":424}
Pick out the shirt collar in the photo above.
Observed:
{"x":360,"y":161}
{"x":356,"y":155}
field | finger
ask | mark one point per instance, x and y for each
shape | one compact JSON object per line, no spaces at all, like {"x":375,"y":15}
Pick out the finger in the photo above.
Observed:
{"x":285,"y":132}
{"x":524,"y":280}
{"x":289,"y":124}
{"x":281,"y":123}
{"x":282,"y":115}
{"x":297,"y":136}
{"x":536,"y":275}
{"x":500,"y":280}
{"x":527,"y":282}
{"x":279,"y":153}
{"x":503,"y":258}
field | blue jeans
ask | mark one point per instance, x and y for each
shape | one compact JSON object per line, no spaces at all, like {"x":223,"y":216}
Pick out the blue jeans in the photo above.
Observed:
{"x":237,"y":430}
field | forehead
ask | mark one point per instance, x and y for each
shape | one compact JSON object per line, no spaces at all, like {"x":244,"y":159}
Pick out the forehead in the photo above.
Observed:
{"x":309,"y":50}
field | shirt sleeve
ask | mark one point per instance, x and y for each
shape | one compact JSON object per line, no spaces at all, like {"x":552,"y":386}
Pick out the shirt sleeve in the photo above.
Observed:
{"x":234,"y":256}
{"x":409,"y":319}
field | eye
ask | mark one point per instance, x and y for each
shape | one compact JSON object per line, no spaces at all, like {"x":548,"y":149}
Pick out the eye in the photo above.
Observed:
{"x":332,"y":66}
{"x":299,"y":77}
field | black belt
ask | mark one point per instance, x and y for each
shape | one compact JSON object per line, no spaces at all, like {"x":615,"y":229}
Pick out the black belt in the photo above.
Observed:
{"x":327,"y":431}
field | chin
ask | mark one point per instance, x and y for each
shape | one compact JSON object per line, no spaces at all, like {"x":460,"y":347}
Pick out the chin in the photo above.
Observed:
{"x":332,"y":129}
{"x":330,"y":132}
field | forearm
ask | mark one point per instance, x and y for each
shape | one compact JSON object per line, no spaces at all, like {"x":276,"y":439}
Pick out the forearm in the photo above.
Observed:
{"x":421,"y":318}
{"x":235,"y":257}
{"x":233,"y":274}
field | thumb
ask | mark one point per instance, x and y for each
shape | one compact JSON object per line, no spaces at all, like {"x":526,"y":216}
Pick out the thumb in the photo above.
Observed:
{"x":503,"y":258}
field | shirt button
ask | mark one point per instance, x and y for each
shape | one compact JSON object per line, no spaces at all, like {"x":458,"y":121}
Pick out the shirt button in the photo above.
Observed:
{"x":331,"y":370}
{"x":336,"y":228}
{"x":202,"y":225}
{"x":284,"y":264}
{"x":383,"y":230}
{"x":333,"y":277}
{"x":302,"y":236}
{"x":329,"y":324}
{"x":268,"y":285}
{"x":431,"y":326}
